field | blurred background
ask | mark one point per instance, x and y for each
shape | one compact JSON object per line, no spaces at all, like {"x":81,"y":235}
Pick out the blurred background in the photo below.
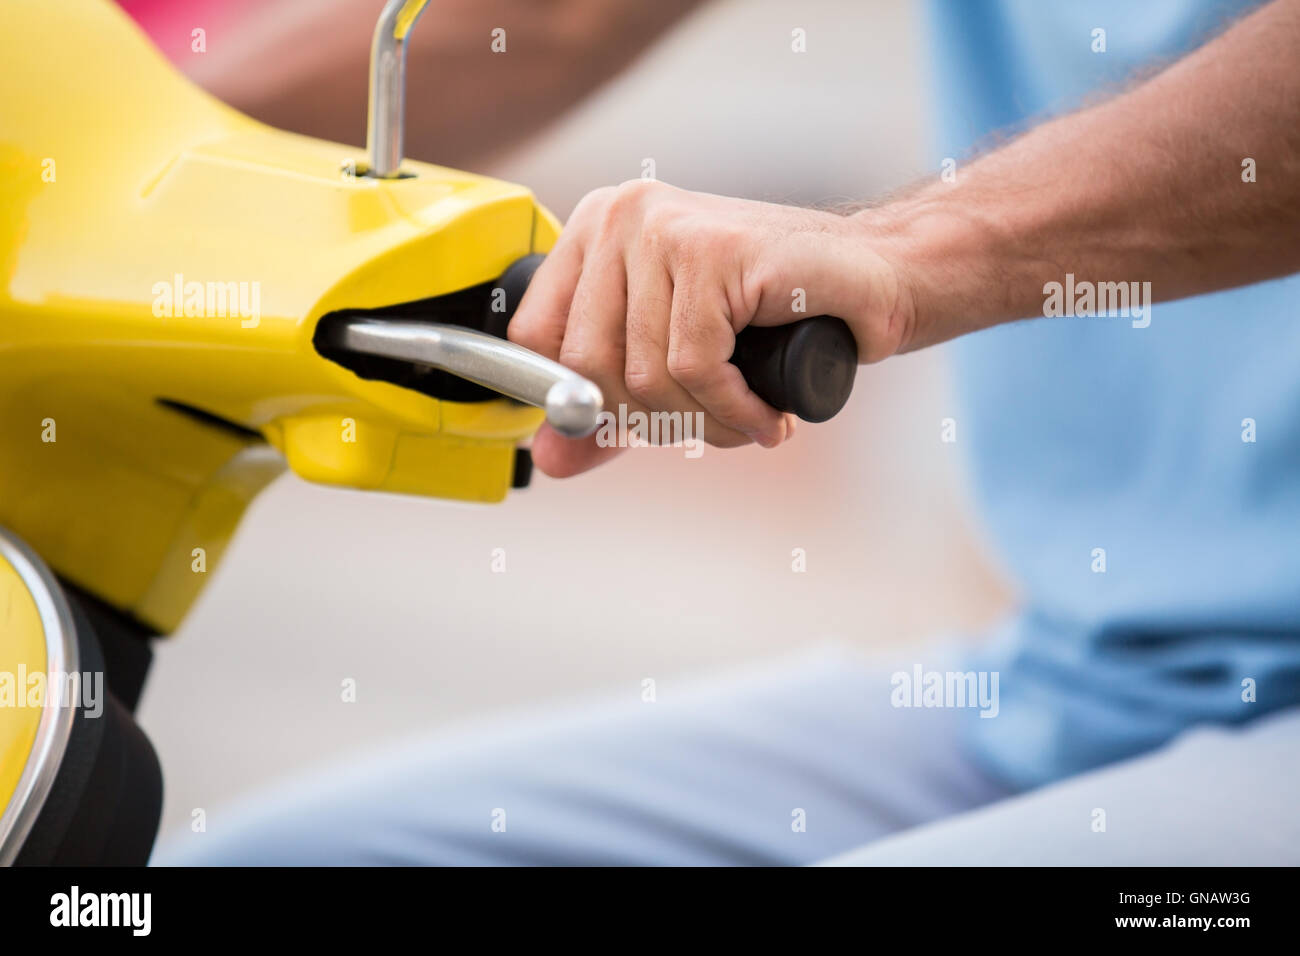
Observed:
{"x":656,"y":566}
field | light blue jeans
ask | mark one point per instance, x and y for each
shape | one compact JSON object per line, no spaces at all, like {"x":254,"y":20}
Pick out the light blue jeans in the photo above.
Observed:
{"x":798,"y":761}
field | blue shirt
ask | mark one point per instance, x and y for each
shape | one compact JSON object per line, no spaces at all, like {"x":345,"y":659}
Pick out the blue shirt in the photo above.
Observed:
{"x":1088,"y":433}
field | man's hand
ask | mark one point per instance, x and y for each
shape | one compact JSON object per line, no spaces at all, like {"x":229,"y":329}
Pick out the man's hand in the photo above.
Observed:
{"x":648,"y":285}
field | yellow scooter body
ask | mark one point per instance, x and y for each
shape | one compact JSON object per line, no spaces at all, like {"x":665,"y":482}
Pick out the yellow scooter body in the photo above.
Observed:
{"x":164,"y":261}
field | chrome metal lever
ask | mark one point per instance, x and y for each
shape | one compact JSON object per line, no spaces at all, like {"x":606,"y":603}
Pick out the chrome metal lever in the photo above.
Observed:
{"x":572,"y":403}
{"x":386,"y":122}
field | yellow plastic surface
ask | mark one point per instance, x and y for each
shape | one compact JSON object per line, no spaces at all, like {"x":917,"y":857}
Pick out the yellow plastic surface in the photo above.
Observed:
{"x":123,"y":182}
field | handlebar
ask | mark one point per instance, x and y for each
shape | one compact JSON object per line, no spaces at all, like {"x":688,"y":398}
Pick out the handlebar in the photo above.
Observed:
{"x":805,"y":367}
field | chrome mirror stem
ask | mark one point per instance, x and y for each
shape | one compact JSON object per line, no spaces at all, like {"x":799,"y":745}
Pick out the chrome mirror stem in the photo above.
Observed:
{"x":386,"y":121}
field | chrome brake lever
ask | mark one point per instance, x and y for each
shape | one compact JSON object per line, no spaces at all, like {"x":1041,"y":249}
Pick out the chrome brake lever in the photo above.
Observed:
{"x":571,"y":402}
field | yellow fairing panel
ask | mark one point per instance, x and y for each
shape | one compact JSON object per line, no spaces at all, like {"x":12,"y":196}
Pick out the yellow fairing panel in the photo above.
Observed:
{"x":163,"y":263}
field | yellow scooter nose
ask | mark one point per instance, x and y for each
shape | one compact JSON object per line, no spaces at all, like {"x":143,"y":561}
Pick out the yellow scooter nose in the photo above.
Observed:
{"x":164,"y":262}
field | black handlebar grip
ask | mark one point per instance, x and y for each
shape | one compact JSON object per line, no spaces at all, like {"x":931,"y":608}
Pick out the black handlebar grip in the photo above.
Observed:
{"x":805,"y":367}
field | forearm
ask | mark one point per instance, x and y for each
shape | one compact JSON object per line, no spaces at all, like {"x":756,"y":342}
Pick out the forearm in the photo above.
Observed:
{"x":1147,"y":187}
{"x":303,"y":67}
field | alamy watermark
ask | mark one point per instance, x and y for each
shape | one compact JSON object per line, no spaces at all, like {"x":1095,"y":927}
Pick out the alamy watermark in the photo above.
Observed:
{"x":922,"y":688}
{"x":637,"y":429}
{"x":1086,"y":299}
{"x":133,"y":911}
{"x":211,"y":300}
{"x":38,"y":689}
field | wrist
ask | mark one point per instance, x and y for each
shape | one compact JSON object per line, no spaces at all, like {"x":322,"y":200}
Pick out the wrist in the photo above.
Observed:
{"x":955,"y":267}
{"x":879,"y":297}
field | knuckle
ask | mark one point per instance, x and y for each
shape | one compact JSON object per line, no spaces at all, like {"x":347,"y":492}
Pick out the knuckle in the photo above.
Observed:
{"x":659,"y":229}
{"x":628,"y":195}
{"x":588,"y":214}
{"x":580,"y":360}
{"x":628,"y":200}
{"x":595,"y":200}
{"x":638,"y":189}
{"x":686,"y":368}
{"x":644,"y":382}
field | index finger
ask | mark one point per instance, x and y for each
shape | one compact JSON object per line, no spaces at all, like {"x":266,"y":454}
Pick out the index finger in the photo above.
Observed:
{"x":543,"y":314}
